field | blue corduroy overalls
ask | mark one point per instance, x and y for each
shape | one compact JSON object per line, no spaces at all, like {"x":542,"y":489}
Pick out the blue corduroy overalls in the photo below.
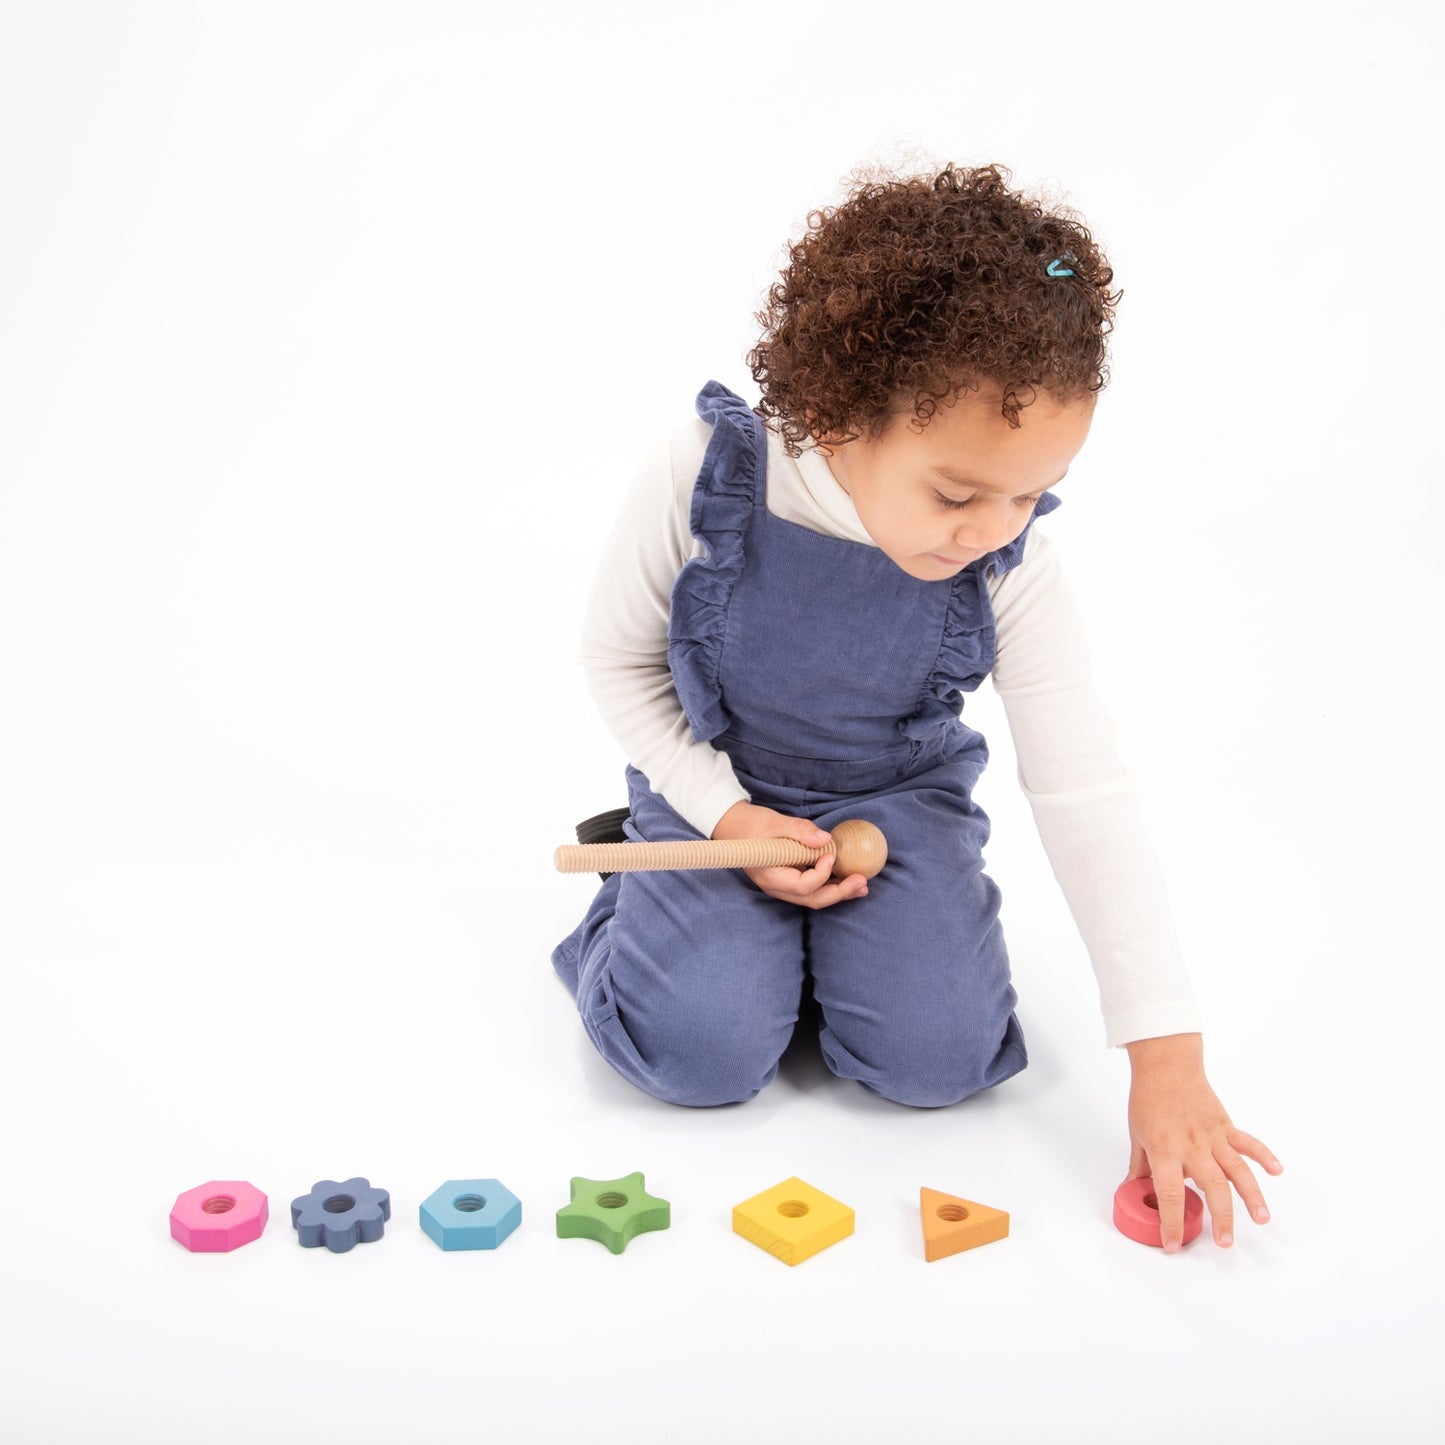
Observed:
{"x":689,"y":984}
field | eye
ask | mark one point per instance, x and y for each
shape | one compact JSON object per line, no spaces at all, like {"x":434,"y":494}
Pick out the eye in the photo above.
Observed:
{"x":951,"y":504}
{"x":1029,"y":501}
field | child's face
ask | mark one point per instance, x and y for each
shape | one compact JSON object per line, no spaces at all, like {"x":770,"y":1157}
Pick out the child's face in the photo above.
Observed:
{"x":936,"y":499}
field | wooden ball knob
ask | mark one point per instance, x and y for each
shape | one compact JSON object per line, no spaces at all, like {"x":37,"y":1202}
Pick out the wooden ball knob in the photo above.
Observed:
{"x":860,"y":848}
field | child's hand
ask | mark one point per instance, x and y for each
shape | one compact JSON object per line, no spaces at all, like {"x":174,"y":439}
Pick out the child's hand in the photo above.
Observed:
{"x":1178,"y":1128}
{"x":813,"y":887}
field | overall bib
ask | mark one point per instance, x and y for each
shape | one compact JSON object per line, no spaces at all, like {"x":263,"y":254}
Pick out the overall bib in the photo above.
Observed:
{"x":833,"y":682}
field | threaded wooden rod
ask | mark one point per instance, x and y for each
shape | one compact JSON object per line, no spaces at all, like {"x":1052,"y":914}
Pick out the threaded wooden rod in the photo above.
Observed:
{"x":859,"y":846}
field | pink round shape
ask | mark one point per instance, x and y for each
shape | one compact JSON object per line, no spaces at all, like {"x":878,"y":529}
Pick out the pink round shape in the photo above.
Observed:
{"x":219,"y":1216}
{"x":1137,"y":1216}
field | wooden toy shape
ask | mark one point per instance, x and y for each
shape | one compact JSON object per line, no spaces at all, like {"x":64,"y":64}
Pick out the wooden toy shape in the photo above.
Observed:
{"x":793,"y":1221}
{"x":220,"y":1216}
{"x":860,"y":848}
{"x":471,"y":1214}
{"x":340,"y":1215}
{"x":611,"y":1211}
{"x":1136,"y":1212}
{"x":952,"y":1225}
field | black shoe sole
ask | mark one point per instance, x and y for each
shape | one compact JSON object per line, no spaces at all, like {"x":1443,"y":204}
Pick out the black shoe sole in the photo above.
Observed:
{"x":604,"y":828}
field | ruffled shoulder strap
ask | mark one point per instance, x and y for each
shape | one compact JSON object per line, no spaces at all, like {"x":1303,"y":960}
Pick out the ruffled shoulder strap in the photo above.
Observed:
{"x":732,"y":467}
{"x":730,"y":484}
{"x":970,"y":637}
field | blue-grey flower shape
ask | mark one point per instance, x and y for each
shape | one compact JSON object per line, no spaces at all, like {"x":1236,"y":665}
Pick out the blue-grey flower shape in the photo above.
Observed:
{"x":340,"y":1215}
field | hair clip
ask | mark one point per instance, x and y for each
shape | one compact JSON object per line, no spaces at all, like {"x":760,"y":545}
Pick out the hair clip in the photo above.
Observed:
{"x":1057,"y":268}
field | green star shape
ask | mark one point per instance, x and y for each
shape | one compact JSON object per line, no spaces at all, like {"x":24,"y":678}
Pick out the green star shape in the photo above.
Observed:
{"x":611,"y":1211}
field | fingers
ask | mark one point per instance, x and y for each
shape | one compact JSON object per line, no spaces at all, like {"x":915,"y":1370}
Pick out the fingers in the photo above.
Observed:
{"x":1260,"y":1153}
{"x":1169,"y":1196}
{"x":1227,"y":1175}
{"x":855,"y":886}
{"x":1138,"y":1163}
{"x":812,"y":887}
{"x":810,"y":835}
{"x":794,"y":885}
{"x":1224,"y":1176}
{"x":752,"y":820}
{"x":1247,"y":1187}
{"x":1242,"y":1176}
{"x":1220,"y":1199}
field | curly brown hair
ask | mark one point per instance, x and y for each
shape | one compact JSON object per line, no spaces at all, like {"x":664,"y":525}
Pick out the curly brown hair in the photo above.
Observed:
{"x":917,"y":288}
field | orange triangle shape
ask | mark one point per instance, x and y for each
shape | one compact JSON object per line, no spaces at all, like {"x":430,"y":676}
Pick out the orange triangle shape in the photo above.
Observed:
{"x":951,"y":1224}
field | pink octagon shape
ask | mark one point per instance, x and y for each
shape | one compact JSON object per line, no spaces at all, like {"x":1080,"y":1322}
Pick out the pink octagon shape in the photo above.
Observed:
{"x":219,"y":1216}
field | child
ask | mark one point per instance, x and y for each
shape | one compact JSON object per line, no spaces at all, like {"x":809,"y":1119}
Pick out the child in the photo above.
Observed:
{"x":779,"y":635}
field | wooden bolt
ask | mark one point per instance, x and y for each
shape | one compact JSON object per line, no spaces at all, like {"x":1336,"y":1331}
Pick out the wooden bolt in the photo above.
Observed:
{"x":859,"y":848}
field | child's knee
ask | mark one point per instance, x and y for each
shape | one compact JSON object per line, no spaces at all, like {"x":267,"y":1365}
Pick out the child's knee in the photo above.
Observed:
{"x":691,"y":1052}
{"x":936,"y":1084}
{"x":707,"y":1079}
{"x":931,"y":1068}
{"x":683,"y":1061}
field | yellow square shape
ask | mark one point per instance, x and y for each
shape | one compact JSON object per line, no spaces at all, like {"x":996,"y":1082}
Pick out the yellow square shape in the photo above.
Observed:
{"x":792,"y":1220}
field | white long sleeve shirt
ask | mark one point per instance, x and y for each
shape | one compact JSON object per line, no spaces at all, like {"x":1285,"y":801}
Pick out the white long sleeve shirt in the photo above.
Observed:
{"x":1083,"y":803}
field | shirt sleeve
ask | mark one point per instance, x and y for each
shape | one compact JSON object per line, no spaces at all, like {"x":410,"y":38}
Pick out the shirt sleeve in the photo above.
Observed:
{"x":1084,"y":803}
{"x":624,"y":638}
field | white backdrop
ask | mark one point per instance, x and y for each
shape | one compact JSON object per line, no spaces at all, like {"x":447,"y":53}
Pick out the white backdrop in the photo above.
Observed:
{"x":329,"y":336}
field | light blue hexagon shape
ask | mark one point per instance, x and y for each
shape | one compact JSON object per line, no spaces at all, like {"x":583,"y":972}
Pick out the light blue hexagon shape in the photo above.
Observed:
{"x":471,"y":1214}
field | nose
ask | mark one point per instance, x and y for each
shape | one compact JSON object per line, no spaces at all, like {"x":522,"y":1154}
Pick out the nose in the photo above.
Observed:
{"x":987,"y":533}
